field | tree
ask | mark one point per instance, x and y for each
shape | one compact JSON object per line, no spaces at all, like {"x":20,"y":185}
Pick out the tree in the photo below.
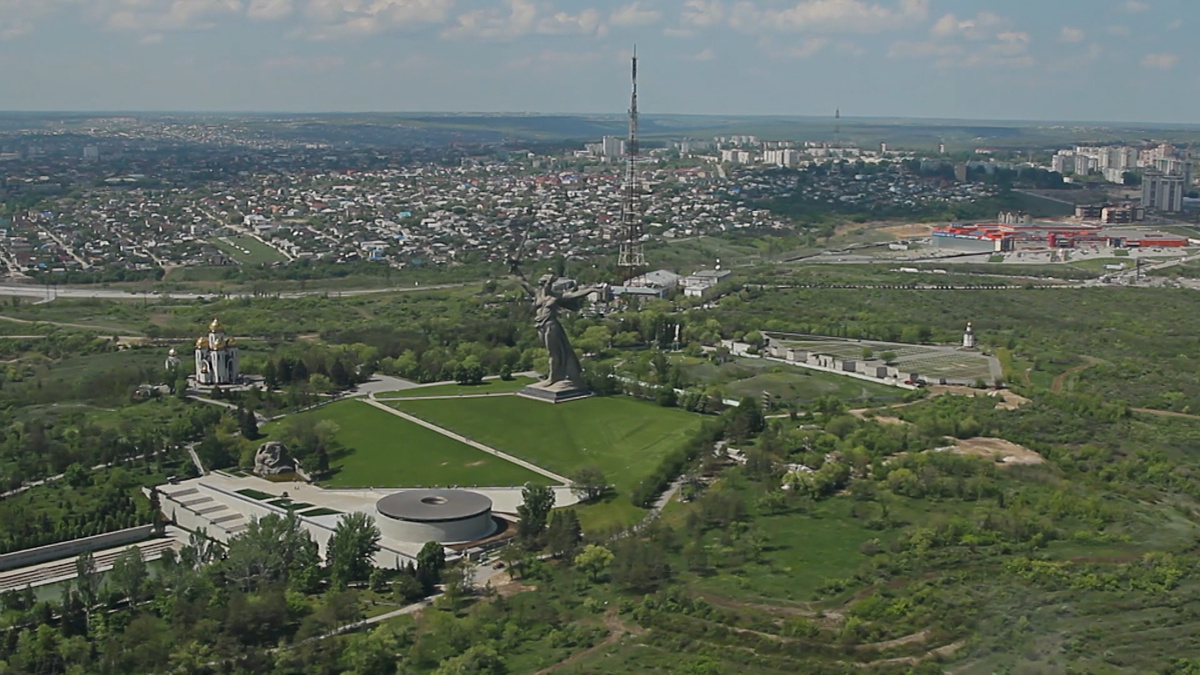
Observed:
{"x":271,"y":549}
{"x":564,"y":533}
{"x":86,"y":578}
{"x":639,"y":565}
{"x":431,"y":560}
{"x":247,"y":423}
{"x":589,"y":483}
{"x":888,"y":356}
{"x":594,"y":560}
{"x":537,"y":500}
{"x":77,"y":476}
{"x":478,"y":660}
{"x":351,"y":548}
{"x":129,"y":573}
{"x":320,"y":383}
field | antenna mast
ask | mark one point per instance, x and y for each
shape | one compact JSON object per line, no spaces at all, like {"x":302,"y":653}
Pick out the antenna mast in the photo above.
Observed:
{"x":632,"y":255}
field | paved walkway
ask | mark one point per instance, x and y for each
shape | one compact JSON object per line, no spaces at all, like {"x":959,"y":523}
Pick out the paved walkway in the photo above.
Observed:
{"x":443,"y":397}
{"x":463,"y":439}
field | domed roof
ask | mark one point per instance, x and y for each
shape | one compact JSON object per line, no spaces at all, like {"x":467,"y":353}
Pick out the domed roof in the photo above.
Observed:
{"x":230,"y":342}
{"x":172,"y":352}
{"x":201,"y":343}
{"x":215,"y":326}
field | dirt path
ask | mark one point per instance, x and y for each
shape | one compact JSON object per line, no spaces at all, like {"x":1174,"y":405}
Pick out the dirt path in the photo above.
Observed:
{"x":617,"y":630}
{"x":1025,"y":376}
{"x":1060,"y":380}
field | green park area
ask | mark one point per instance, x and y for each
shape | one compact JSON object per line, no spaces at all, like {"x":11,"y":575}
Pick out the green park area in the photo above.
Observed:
{"x":248,"y":250}
{"x":624,"y":437}
{"x":492,"y":386}
{"x":379,"y":449}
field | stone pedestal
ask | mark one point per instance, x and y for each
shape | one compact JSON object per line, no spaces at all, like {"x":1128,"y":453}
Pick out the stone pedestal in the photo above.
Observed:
{"x":558,"y":392}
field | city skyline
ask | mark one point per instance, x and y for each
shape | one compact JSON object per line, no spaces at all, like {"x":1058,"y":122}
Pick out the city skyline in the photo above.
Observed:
{"x":1104,"y":61}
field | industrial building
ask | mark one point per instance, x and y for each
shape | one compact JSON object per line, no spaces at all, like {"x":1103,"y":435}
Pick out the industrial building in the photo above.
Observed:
{"x":1002,"y":237}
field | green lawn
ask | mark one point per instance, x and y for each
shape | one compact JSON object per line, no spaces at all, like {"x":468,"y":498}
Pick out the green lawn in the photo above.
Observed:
{"x":624,"y":437}
{"x":259,"y":253}
{"x":802,"y":551}
{"x":387,"y":451}
{"x":494,"y":386}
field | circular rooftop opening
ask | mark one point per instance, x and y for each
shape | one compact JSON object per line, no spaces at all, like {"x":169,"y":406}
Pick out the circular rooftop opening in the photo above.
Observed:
{"x":435,"y":500}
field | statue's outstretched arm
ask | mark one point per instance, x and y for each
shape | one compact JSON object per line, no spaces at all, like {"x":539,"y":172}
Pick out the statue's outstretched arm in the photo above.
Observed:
{"x":580,"y":293}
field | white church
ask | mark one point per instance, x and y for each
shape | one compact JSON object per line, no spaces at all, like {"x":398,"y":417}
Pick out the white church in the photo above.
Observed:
{"x":216,"y":357}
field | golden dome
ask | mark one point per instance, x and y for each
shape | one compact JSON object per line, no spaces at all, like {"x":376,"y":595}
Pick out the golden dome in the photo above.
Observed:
{"x":200,"y":343}
{"x":172,"y":352}
{"x":230,"y":342}
{"x":215,"y":326}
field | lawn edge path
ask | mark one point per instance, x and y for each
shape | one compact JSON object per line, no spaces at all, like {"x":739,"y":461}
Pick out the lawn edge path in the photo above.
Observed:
{"x":474,"y":444}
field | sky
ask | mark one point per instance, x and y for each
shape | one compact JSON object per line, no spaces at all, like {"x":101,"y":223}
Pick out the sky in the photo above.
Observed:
{"x":1094,"y":60}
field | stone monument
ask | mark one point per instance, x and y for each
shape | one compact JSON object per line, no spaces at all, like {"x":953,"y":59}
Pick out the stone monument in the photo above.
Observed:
{"x":272,"y":459}
{"x":564,"y":381}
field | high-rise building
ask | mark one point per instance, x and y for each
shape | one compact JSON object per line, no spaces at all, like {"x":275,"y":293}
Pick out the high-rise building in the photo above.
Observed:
{"x":1162,"y":192}
{"x":612,"y":147}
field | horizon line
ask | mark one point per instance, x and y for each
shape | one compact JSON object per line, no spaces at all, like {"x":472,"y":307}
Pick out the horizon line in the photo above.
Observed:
{"x":613,"y":115}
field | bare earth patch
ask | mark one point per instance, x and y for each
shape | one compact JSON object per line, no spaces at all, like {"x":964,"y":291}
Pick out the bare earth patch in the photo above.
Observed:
{"x":1008,"y":399}
{"x":908,"y":230}
{"x":1004,"y":452}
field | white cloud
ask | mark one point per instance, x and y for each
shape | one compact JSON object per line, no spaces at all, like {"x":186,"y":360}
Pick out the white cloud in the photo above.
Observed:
{"x":634,"y":15}
{"x":1070,"y":34}
{"x":985,"y":39}
{"x":347,"y":18}
{"x":1161,"y":61}
{"x":829,"y":16}
{"x":269,"y":10}
{"x":17,"y":17}
{"x":1135,"y":6}
{"x":490,"y":23}
{"x":562,"y":23}
{"x":706,"y":54}
{"x":1176,"y":24}
{"x":696,"y":16}
{"x":164,"y":15}
{"x":980,"y":27}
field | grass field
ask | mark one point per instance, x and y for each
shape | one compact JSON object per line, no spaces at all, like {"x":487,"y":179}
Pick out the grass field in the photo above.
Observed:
{"x":248,"y":250}
{"x":624,"y":437}
{"x":751,"y":377}
{"x":802,"y":550}
{"x":387,"y":451}
{"x":493,"y":386}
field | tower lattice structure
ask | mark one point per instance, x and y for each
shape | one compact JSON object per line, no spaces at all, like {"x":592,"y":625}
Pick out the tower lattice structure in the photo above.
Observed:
{"x":632,"y":256}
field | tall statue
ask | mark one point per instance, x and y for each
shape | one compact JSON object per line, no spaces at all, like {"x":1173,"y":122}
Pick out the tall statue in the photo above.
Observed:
{"x":565,"y":372}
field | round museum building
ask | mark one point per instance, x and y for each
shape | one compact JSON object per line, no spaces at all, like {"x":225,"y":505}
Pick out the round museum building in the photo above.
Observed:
{"x":444,"y":516}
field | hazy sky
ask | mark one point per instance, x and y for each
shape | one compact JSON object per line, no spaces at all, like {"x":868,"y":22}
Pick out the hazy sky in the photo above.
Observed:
{"x":1132,"y":60}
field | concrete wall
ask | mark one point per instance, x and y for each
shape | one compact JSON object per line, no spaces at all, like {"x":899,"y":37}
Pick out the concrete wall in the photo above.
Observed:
{"x":445,"y":532}
{"x":70,"y":549}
